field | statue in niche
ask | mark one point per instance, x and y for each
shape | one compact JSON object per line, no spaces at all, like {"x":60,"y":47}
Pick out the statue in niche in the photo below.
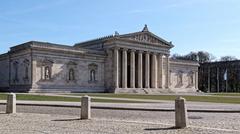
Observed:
{"x":92,"y":75}
{"x":47,"y":73}
{"x":71,"y":75}
{"x":92,"y":72}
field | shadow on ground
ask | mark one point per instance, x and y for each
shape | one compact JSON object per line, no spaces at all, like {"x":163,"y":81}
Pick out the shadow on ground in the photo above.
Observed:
{"x":67,"y":119}
{"x":157,"y":129}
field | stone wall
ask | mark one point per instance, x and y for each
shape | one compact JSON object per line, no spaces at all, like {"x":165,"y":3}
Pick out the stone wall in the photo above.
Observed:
{"x":16,"y":71}
{"x":4,"y":72}
{"x":20,"y":68}
{"x":62,"y":79}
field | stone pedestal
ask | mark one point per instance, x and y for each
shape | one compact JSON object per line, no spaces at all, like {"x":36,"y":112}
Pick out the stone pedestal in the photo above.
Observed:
{"x":11,"y":103}
{"x":181,"y":119}
{"x":85,"y":107}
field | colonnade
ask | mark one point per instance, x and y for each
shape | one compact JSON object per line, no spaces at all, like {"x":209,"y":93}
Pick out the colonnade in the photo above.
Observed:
{"x":139,"y":69}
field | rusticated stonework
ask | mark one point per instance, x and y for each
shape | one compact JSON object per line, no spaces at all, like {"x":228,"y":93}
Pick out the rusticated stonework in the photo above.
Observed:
{"x":130,"y":63}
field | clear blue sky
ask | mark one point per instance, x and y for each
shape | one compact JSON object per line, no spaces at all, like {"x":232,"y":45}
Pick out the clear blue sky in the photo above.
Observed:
{"x":192,"y":25}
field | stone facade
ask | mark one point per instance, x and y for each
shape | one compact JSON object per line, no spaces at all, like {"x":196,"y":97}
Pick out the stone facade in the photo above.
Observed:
{"x":130,"y":63}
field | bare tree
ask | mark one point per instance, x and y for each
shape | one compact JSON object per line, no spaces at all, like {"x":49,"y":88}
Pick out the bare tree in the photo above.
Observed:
{"x":200,"y":56}
{"x":228,"y":58}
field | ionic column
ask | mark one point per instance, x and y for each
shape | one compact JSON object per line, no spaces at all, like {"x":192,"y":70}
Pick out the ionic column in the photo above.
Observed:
{"x":132,"y":69}
{"x":147,"y":75}
{"x":160,"y":70}
{"x":167,"y":72}
{"x":116,"y":69}
{"x":124,"y":68}
{"x":154,"y":71}
{"x":140,"y":69}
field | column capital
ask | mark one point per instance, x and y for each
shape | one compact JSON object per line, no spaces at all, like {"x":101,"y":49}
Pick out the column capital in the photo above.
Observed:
{"x":147,"y":52}
{"x":116,"y":48}
{"x":133,"y":50}
{"x":124,"y":49}
{"x":140,"y":51}
{"x":167,"y":55}
{"x":154,"y":53}
{"x":160,"y":54}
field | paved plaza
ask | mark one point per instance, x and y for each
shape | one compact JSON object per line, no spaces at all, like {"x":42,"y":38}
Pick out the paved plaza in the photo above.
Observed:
{"x":36,"y":119}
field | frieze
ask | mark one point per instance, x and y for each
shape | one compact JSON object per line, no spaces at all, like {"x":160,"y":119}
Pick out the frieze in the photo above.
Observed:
{"x":145,"y":38}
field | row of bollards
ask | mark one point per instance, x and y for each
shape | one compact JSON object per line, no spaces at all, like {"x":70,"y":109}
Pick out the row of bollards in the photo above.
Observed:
{"x":180,"y":109}
{"x":181,"y":118}
{"x":85,"y":106}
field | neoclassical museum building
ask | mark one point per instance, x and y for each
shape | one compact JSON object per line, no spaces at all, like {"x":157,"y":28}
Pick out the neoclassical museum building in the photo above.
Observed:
{"x":137,"y":62}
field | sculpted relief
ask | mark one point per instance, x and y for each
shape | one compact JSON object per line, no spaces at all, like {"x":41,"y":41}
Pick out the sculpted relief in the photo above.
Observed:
{"x":145,"y":38}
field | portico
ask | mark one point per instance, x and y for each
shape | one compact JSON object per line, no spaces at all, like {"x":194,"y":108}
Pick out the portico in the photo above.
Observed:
{"x":140,"y":60}
{"x":145,"y":69}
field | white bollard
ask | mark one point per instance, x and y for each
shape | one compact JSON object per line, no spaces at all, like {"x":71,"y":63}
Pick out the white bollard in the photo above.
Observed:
{"x":181,"y":119}
{"x":11,"y":103}
{"x":85,"y":107}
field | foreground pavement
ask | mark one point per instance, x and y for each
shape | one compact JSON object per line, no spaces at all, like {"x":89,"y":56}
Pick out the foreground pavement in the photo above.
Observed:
{"x":43,"y":119}
{"x":159,"y":106}
{"x":29,"y":123}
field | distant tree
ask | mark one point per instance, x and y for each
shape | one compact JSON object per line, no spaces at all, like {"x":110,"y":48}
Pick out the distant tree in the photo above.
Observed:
{"x":192,"y":56}
{"x":205,"y":57}
{"x":176,"y":56}
{"x":228,"y":58}
{"x":200,"y":56}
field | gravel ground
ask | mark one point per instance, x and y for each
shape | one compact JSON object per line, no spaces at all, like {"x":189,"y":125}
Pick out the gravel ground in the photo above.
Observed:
{"x":33,"y":119}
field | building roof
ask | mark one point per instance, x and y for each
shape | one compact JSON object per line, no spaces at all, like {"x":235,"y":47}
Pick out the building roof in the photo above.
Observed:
{"x":52,"y":46}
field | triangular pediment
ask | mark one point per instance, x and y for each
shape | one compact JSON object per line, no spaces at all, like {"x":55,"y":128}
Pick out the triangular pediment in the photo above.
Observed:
{"x":146,"y":37}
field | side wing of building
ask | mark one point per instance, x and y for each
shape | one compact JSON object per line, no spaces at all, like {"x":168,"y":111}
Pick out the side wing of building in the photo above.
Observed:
{"x":45,"y":67}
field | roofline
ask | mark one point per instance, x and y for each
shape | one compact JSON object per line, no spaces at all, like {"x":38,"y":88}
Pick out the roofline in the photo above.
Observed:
{"x":47,"y":45}
{"x":184,"y":61}
{"x":220,"y":62}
